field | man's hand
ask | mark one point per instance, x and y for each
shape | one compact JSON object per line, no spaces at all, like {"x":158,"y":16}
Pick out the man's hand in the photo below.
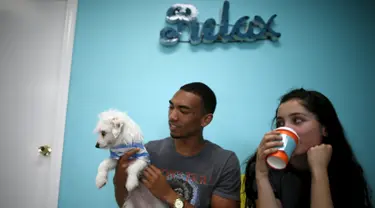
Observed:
{"x":121,"y":175}
{"x":156,"y":182}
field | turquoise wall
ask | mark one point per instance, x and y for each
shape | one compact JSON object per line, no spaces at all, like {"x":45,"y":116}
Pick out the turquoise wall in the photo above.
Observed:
{"x":119,"y":63}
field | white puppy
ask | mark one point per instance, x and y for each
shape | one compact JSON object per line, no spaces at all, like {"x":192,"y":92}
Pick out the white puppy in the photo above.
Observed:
{"x":119,"y":133}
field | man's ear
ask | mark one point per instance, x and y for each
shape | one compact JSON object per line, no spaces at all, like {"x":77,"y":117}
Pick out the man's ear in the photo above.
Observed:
{"x":116,"y":127}
{"x":206,"y":119}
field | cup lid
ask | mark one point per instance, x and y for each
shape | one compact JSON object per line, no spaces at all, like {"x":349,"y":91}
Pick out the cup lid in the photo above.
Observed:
{"x":288,"y":129}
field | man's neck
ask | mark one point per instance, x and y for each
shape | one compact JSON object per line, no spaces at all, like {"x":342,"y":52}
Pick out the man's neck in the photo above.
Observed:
{"x":189,"y":146}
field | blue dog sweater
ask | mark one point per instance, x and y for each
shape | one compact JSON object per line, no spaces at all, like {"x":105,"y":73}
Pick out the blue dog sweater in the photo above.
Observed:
{"x":119,"y":150}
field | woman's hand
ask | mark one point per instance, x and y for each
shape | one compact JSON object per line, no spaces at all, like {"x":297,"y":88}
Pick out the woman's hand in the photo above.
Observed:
{"x":319,"y":157}
{"x":269,"y":144}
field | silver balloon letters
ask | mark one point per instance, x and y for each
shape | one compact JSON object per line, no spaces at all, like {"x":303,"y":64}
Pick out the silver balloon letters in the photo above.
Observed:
{"x":184,"y":16}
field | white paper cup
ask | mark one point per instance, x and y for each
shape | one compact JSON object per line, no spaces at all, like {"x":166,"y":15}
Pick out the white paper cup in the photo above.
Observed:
{"x":280,"y":159}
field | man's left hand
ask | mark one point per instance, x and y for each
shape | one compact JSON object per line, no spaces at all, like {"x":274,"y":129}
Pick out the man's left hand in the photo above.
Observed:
{"x":156,"y":182}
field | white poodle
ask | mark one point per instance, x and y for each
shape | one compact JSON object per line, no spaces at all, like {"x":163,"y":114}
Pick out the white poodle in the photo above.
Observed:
{"x":119,"y":133}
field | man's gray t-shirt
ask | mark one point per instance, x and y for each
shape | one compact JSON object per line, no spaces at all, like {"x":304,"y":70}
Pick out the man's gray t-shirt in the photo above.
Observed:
{"x":213,"y":171}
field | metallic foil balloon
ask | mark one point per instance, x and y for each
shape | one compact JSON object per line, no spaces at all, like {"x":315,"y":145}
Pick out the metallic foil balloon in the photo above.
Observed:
{"x":181,"y":12}
{"x":208,"y":31}
{"x":224,"y":33}
{"x":242,"y":24}
{"x":195,"y":37}
{"x":266,"y":31}
{"x":169,"y":36}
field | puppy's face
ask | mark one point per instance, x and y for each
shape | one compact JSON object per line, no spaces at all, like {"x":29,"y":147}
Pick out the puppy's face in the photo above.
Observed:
{"x":108,"y":133}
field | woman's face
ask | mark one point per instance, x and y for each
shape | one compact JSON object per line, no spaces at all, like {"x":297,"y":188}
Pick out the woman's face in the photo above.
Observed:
{"x":293,"y":115}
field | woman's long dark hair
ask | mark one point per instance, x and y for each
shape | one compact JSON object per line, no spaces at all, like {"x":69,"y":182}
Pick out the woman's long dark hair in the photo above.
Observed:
{"x":347,"y":182}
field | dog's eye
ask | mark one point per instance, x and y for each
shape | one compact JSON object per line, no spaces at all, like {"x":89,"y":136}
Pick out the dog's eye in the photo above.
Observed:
{"x":103,"y":133}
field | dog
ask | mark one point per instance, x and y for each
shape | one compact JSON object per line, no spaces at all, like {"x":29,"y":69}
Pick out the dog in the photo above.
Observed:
{"x":118,"y":133}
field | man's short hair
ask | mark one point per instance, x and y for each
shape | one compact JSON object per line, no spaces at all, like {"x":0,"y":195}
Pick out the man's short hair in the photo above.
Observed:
{"x":204,"y":92}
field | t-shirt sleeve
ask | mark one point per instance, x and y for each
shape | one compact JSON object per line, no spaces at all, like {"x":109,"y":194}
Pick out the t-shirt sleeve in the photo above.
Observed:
{"x":273,"y":181}
{"x":146,"y":145}
{"x":149,"y":146}
{"x":229,"y":182}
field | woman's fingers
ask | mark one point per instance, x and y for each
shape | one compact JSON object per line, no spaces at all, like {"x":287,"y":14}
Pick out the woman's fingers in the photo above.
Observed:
{"x":270,"y":144}
{"x":270,"y":136}
{"x":266,"y":152}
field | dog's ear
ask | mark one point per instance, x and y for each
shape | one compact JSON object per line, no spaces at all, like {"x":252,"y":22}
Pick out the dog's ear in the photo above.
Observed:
{"x":116,"y":127}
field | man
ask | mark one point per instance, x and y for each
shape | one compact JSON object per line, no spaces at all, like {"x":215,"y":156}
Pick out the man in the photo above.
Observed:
{"x":187,"y":170}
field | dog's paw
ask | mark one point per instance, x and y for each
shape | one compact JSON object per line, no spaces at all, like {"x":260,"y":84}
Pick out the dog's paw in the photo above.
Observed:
{"x":131,"y":183}
{"x":101,"y":181}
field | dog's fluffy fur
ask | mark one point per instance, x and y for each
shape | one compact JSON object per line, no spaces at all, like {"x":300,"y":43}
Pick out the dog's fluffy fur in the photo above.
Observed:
{"x":116,"y":128}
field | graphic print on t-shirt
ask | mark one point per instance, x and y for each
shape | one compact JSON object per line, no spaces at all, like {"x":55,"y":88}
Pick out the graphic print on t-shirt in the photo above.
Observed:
{"x":186,"y":184}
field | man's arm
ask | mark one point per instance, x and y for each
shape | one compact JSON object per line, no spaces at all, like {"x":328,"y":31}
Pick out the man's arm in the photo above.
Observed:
{"x":216,"y":201}
{"x":120,"y":194}
{"x":227,"y":192}
{"x":220,"y":202}
{"x":121,"y":176}
{"x":156,"y":182}
{"x":171,"y":198}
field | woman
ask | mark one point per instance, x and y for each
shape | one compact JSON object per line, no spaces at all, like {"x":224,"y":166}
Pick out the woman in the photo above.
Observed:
{"x":322,"y":172}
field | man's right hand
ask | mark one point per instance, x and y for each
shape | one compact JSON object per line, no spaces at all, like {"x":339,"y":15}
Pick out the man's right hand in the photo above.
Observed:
{"x":121,"y":176}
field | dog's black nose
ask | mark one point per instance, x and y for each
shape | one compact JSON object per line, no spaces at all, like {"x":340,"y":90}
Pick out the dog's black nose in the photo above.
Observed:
{"x":97,"y":145}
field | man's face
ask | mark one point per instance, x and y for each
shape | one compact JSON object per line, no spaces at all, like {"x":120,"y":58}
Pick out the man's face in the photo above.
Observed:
{"x":186,"y":115}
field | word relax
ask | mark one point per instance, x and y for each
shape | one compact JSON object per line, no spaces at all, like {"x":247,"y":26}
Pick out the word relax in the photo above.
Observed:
{"x":256,"y":29}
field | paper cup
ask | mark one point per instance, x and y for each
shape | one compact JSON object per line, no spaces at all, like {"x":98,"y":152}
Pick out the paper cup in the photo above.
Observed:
{"x":290,"y":139}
